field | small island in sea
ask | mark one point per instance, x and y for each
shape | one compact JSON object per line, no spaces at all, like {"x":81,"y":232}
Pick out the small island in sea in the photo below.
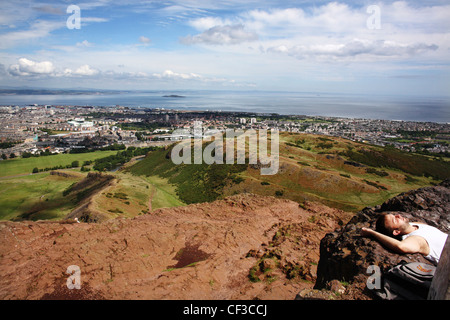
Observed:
{"x":173,"y":96}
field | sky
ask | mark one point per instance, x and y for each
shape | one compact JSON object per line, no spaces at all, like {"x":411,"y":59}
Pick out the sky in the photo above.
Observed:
{"x":369,"y":47}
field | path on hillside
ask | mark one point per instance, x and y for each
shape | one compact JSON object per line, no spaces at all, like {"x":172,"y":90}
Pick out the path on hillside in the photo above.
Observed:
{"x":151,"y":199}
{"x":20,"y":175}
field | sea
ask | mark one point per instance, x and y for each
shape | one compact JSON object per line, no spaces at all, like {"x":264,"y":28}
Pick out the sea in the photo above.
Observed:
{"x":356,"y":106}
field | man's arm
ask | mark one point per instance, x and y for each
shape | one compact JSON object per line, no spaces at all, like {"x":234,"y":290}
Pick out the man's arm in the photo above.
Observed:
{"x":411,"y":244}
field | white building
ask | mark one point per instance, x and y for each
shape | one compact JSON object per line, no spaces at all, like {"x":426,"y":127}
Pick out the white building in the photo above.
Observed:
{"x":81,"y":124}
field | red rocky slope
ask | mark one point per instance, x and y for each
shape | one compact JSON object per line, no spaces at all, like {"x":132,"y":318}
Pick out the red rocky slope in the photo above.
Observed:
{"x":201,"y":251}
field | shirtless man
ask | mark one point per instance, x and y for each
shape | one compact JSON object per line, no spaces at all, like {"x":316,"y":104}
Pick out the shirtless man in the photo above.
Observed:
{"x":415,"y":237}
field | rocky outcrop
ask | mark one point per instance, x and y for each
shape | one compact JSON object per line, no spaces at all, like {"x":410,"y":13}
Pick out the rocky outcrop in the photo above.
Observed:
{"x":64,"y":174}
{"x":345,"y":255}
{"x":84,"y":191}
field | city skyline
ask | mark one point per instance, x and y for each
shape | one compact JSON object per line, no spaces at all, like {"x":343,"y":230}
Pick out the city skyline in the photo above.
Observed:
{"x":374,"y":47}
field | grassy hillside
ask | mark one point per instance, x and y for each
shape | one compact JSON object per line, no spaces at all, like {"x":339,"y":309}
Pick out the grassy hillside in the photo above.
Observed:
{"x":133,"y":195}
{"x":390,"y":157}
{"x":52,"y":197}
{"x":194,"y":183}
{"x":37,"y":196}
{"x":337,"y":172}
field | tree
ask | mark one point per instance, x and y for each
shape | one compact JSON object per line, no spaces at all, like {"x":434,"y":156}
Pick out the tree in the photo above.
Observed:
{"x":75,"y":164}
{"x":35,"y":170}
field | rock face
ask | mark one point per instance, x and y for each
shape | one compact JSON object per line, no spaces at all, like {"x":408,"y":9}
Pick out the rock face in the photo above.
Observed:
{"x":201,"y":251}
{"x":345,"y":255}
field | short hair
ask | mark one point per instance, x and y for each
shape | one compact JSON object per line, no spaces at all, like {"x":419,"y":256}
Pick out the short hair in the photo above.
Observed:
{"x":380,"y":225}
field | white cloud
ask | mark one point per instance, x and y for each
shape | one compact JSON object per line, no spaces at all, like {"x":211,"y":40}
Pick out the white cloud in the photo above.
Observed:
{"x":125,"y":75}
{"x":84,"y":70}
{"x":79,"y":46}
{"x":34,"y":70}
{"x":335,"y":31}
{"x":93,"y":19}
{"x":354,"y":48}
{"x":27,"y":67}
{"x":37,"y":30}
{"x":94,"y":4}
{"x":222,"y":35}
{"x":261,"y":19}
{"x":84,"y":44}
{"x":206,"y":23}
{"x":144,"y":40}
{"x":169,"y":74}
{"x":337,"y":19}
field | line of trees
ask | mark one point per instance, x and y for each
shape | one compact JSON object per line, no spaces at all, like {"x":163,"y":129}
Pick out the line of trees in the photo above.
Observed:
{"x":114,"y":161}
{"x":74,"y":164}
{"x":113,"y":147}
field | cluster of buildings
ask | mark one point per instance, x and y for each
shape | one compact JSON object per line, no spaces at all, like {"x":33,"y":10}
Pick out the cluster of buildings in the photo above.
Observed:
{"x":37,"y":128}
{"x":405,"y":135}
{"x":425,"y":137}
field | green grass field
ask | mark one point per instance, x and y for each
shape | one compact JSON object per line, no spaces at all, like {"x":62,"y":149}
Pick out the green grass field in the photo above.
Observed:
{"x":23,"y":193}
{"x":40,"y":196}
{"x":164,"y":193}
{"x":21,"y":196}
{"x":134,"y":195}
{"x":18,"y":166}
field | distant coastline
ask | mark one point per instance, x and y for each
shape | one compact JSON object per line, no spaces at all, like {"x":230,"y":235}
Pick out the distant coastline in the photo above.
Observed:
{"x":359,"y":106}
{"x":30,"y":91}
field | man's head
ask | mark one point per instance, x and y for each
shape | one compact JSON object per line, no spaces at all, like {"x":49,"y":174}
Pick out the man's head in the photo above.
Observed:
{"x":392,"y":224}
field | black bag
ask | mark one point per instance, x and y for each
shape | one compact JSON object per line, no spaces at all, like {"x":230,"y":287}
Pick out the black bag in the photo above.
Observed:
{"x":407,"y":281}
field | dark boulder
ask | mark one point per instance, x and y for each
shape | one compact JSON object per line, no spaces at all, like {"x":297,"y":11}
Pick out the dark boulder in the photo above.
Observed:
{"x":345,"y":255}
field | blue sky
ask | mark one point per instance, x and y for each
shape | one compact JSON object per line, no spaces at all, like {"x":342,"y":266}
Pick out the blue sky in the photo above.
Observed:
{"x":375,"y":47}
